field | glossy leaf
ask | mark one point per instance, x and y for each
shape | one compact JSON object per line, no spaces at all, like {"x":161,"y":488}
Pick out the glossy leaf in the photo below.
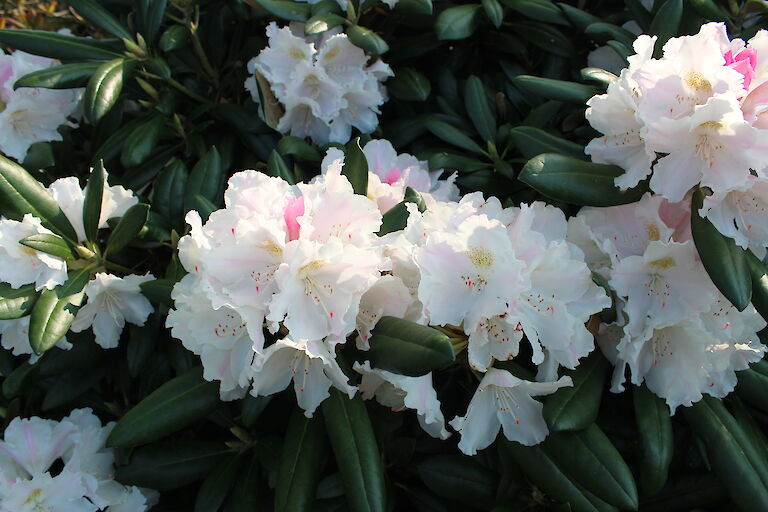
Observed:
{"x":409,"y":85}
{"x":532,"y":141}
{"x":301,"y":462}
{"x":149,"y":17}
{"x":101,"y":17}
{"x":286,"y":10}
{"x":176,"y":404}
{"x":167,"y":466}
{"x":356,"y":167}
{"x":457,"y":22}
{"x":451,"y":135}
{"x":407,"y":348}
{"x":574,"y":181}
{"x":396,"y":218}
{"x":276,"y":166}
{"x":666,"y":23}
{"x":555,"y":89}
{"x":16,"y":303}
{"x":55,"y":311}
{"x":725,"y":262}
{"x":540,"y":10}
{"x":20,"y":194}
{"x":104,"y":88}
{"x":322,"y":23}
{"x":297,"y":147}
{"x":158,"y":291}
{"x":460,"y":479}
{"x":576,"y":407}
{"x":128,"y":227}
{"x":218,"y":484}
{"x":140,"y":144}
{"x":64,"y":76}
{"x":49,"y":244}
{"x":494,"y":11}
{"x":92,"y":204}
{"x":206,"y":179}
{"x":57,"y":46}
{"x":479,"y":108}
{"x":169,"y":189}
{"x":654,"y":427}
{"x":357,"y":454}
{"x":173,"y":38}
{"x":367,"y":39}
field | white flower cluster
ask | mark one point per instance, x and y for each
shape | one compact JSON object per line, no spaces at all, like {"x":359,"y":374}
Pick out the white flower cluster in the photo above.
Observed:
{"x":63,"y":466}
{"x":674,"y":329}
{"x":324,"y":83}
{"x":111,"y":300}
{"x":29,"y":115}
{"x":696,"y":116}
{"x":305,"y":262}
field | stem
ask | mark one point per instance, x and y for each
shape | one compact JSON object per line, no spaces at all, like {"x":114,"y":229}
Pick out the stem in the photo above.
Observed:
{"x":114,"y":266}
{"x":199,"y":49}
{"x":173,"y":83}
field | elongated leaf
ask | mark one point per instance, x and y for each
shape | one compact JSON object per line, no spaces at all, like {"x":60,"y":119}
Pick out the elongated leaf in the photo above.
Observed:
{"x":738,"y":465}
{"x":656,"y":442}
{"x":540,"y":10}
{"x":407,"y":348}
{"x":725,"y":262}
{"x":576,"y":407}
{"x":248,"y":492}
{"x":532,"y":141}
{"x":574,"y":181}
{"x":49,"y":244}
{"x":20,"y":194}
{"x":592,"y":461}
{"x":167,"y":466}
{"x":460,"y":479}
{"x":206,"y":179}
{"x":169,"y":189}
{"x":356,"y":451}
{"x":605,"y":32}
{"x":322,"y":23}
{"x":396,"y":218}
{"x":356,"y":167}
{"x":494,"y":11}
{"x":16,"y":382}
{"x":751,"y":388}
{"x":708,"y":10}
{"x":759,"y":274}
{"x":452,"y":135}
{"x":555,"y":89}
{"x":57,"y":46}
{"x":174,"y":38}
{"x":65,"y":76}
{"x":367,"y":39}
{"x":409,"y":85}
{"x":55,"y":311}
{"x":140,"y":144}
{"x":149,"y":17}
{"x":276,"y":166}
{"x":94,"y":197}
{"x":539,"y":466}
{"x":70,"y":386}
{"x":479,"y":108}
{"x":158,"y":291}
{"x":578,"y":18}
{"x":213,"y":492}
{"x":294,"y":146}
{"x":598,"y":75}
{"x":102,"y":18}
{"x":457,"y":22}
{"x":414,"y":7}
{"x":128,"y":227}
{"x":176,"y":404}
{"x":544,"y":36}
{"x":16,"y":303}
{"x":283,"y":9}
{"x":104,"y":88}
{"x":666,"y":23}
{"x":300,"y":463}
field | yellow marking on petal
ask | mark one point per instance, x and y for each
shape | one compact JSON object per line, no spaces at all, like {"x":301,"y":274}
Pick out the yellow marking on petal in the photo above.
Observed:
{"x":664,"y":263}
{"x":33,"y":496}
{"x":713,"y":125}
{"x":653,"y":232}
{"x":480,"y":257}
{"x":271,"y":247}
{"x":296,"y":53}
{"x":311,"y":267}
{"x":698,"y":82}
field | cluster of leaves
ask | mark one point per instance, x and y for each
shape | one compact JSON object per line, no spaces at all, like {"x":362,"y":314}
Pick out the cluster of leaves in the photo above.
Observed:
{"x":494,"y":90}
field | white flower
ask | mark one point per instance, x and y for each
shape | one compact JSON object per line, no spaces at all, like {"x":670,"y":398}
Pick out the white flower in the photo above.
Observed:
{"x":67,"y":192}
{"x":503,"y":400}
{"x":399,"y":392}
{"x":388,"y":296}
{"x":309,"y":364}
{"x":741,"y":213}
{"x":20,"y":265}
{"x":63,"y":493}
{"x":14,"y":335}
{"x":31,"y":115}
{"x":112,"y":301}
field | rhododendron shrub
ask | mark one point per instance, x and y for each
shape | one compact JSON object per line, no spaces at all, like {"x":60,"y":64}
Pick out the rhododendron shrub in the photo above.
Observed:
{"x":369,"y":256}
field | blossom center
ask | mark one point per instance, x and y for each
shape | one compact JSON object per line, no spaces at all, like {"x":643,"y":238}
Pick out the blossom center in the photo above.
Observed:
{"x":698,"y":82}
{"x":664,"y":263}
{"x":480,"y":257}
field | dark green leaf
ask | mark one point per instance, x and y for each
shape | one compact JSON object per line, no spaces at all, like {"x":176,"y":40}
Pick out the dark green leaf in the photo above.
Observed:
{"x":460,"y":479}
{"x":16,"y":303}
{"x":656,"y":442}
{"x":203,"y":206}
{"x":290,"y":11}
{"x":494,"y":11}
{"x":276,"y":166}
{"x":409,"y":85}
{"x":94,"y":196}
{"x":206,"y":179}
{"x":158,"y":291}
{"x":414,"y":7}
{"x":708,"y":9}
{"x":479,"y":108}
{"x":725,"y":262}
{"x":532,"y":141}
{"x":294,"y":146}
{"x":301,"y":462}
{"x":70,"y":386}
{"x":252,"y":407}
{"x":167,"y":466}
{"x":604,"y":32}
{"x":173,"y":406}
{"x":407,"y":348}
{"x":50,"y":244}
{"x":457,"y":22}
{"x":451,"y":135}
{"x":322,"y":23}
{"x":169,"y":189}
{"x":737,"y":463}
{"x":149,"y":17}
{"x":544,"y":36}
{"x":356,"y":167}
{"x":759,"y":274}
{"x":666,"y":23}
{"x":217,"y":485}
{"x":104,"y":88}
{"x":248,"y":493}
{"x":102,"y":18}
{"x":751,"y":388}
{"x":577,"y":182}
{"x":128,"y":227}
{"x":578,"y":18}
{"x":140,"y":144}
{"x":65,"y":76}
{"x":20,"y":194}
{"x":396,"y":217}
{"x":367,"y":39}
{"x":56,"y":46}
{"x":55,"y":311}
{"x":555,"y":89}
{"x":356,"y":451}
{"x":16,"y":382}
{"x":576,"y":407}
{"x":598,"y":75}
{"x":174,"y":38}
{"x":540,"y":10}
